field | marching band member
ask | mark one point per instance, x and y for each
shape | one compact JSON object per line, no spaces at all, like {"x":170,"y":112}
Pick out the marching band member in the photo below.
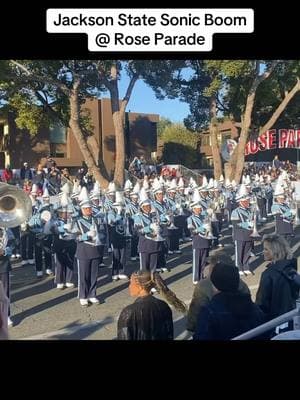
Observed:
{"x":88,"y":252}
{"x":201,"y":237}
{"x":108,"y":206}
{"x":127,"y":190}
{"x":243,"y":223}
{"x":150,"y":240}
{"x":217,"y":205}
{"x":64,"y":244}
{"x":27,"y":237}
{"x":117,"y":223}
{"x":6,"y":245}
{"x":132,"y":208}
{"x":180,"y":219}
{"x":282,"y":212}
{"x":43,"y":241}
{"x":173,"y":231}
{"x":100,"y":215}
{"x":160,"y":208}
{"x":269,"y":194}
{"x":260,"y":194}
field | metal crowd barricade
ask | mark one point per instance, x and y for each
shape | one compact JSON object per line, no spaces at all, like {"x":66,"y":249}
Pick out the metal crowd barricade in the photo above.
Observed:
{"x":294,"y":314}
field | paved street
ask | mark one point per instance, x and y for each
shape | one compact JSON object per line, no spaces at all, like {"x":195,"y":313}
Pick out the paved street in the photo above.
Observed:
{"x":40,"y":311}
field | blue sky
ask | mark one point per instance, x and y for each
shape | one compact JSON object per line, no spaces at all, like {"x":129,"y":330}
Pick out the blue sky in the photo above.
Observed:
{"x":143,"y":100}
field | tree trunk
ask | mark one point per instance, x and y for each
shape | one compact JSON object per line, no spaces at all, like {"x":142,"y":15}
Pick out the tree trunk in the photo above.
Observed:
{"x":119,"y":174}
{"x":82,"y":143}
{"x":213,"y":131}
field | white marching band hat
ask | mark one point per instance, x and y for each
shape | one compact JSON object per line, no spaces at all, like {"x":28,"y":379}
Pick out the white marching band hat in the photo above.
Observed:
{"x":84,"y":199}
{"x":144,"y":199}
{"x":242,"y":193}
{"x":196,"y":200}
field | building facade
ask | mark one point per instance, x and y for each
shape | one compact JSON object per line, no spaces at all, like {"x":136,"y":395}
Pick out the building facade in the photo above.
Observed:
{"x":283,"y":142}
{"x":18,"y":146}
{"x":227,"y":130}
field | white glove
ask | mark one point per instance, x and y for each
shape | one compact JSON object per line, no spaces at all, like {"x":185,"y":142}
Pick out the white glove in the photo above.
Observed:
{"x":91,"y":234}
{"x":153,"y":227}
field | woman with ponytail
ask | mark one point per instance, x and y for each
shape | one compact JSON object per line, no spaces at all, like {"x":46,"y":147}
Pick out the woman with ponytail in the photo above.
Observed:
{"x":148,"y":318}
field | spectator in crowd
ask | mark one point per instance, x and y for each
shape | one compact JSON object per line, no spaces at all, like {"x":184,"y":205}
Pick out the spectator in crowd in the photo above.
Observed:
{"x":204,"y":290}
{"x":27,"y":186}
{"x":26,"y":173}
{"x":54,"y":179}
{"x":276,"y":163}
{"x":148,"y":318}
{"x":277,"y":294}
{"x":7,"y":175}
{"x":79,"y":176}
{"x":39,"y":178}
{"x":230,"y":312}
{"x":49,"y":163}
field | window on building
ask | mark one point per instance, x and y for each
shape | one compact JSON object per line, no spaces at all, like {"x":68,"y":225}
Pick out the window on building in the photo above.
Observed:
{"x":226,"y":135}
{"x":56,"y":150}
{"x":153,"y":142}
{"x":205,"y":140}
{"x":58,"y":134}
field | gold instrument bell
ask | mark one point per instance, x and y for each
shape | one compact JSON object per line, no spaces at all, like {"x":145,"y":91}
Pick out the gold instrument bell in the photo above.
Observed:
{"x":15,"y":206}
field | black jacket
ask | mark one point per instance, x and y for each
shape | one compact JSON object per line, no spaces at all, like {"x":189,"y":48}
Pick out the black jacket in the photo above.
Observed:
{"x":147,"y":318}
{"x":276,"y":294}
{"x":228,"y":315}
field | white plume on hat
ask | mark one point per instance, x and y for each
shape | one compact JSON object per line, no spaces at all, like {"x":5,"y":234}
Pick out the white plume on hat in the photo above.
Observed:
{"x":46,"y":193}
{"x":156,"y":186}
{"x":144,"y":197}
{"x":83,"y":195}
{"x":162,"y":181}
{"x":244,"y":179}
{"x":96,"y":188}
{"x":216,"y":185}
{"x":204,"y":182}
{"x":195,"y":199}
{"x":136,"y":189}
{"x":180,"y":183}
{"x":76,"y":189}
{"x":84,"y":198}
{"x":210,"y":184}
{"x":172,"y":186}
{"x":119,"y":201}
{"x":65,"y":188}
{"x":261,"y":179}
{"x":248,"y":180}
{"x":242,"y":193}
{"x":111,"y":187}
{"x":146,"y":184}
{"x":279,"y":189}
{"x":128,"y":185}
{"x":228,"y":183}
{"x":193,"y":183}
{"x":64,"y":200}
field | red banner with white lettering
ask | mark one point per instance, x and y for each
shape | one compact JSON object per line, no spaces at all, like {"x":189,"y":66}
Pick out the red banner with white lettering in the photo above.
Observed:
{"x":274,"y":139}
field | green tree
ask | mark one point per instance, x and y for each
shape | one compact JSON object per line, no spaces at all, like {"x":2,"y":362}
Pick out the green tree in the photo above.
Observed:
{"x":162,"y":124}
{"x":254,"y":93}
{"x":180,"y":146}
{"x":62,"y":87}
